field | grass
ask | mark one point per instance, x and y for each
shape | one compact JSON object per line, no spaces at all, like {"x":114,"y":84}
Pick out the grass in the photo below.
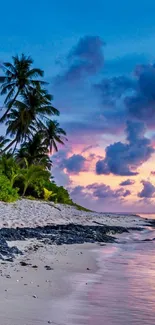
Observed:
{"x":81,"y":208}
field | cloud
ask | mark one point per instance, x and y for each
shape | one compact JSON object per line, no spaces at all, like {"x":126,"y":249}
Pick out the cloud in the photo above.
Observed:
{"x":102,"y":191}
{"x":142,"y":104}
{"x":98,"y":193}
{"x":124,"y":64}
{"x":127,"y":182}
{"x":74,"y":164}
{"x":124,"y":158}
{"x":123,"y":98}
{"x":112,"y":89}
{"x":84,"y":60}
{"x":148,"y":190}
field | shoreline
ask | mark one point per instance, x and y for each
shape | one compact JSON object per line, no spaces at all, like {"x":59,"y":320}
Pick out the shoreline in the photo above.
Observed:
{"x":58,"y":224}
{"x":34,"y":294}
{"x":41,"y":276}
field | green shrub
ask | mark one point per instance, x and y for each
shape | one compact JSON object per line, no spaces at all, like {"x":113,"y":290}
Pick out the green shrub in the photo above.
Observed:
{"x":48,"y":194}
{"x":7,"y":193}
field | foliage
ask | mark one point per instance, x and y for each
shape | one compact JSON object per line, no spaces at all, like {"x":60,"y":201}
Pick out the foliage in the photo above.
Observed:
{"x":35,"y":151}
{"x":48,"y":194}
{"x":7,"y":193}
{"x":19,"y":76}
{"x":9,"y":168}
{"x":81,"y":208}
{"x":32,"y":134}
{"x":62,"y":195}
{"x":32,"y":173}
{"x":53,"y":134}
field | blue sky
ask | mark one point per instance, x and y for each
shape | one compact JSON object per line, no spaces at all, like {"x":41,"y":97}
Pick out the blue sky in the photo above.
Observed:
{"x":101,"y":92}
{"x":47,"y":29}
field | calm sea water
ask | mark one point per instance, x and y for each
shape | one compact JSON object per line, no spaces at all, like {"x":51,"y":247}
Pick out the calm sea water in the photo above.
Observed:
{"x":125,"y":292}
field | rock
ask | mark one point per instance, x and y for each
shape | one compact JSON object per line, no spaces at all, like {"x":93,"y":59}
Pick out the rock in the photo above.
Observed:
{"x":48,"y":268}
{"x":57,"y":234}
{"x":22,"y":263}
{"x":34,"y":296}
{"x":88,"y":268}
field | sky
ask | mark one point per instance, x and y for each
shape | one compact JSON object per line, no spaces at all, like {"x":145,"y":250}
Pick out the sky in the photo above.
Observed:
{"x":99,"y":60}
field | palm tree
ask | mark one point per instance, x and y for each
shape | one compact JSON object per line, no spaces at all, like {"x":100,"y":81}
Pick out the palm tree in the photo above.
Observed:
{"x":35,"y":151}
{"x":19,"y":77}
{"x":32,"y":173}
{"x":10,"y":168}
{"x":27,"y":116}
{"x":53,"y":135}
{"x":3,"y":142}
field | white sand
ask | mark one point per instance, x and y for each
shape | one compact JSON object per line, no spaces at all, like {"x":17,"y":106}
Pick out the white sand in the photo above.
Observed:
{"x":28,"y":213}
{"x":36,"y":296}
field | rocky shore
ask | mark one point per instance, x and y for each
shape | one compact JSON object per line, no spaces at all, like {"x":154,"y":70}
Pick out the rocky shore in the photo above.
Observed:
{"x":56,"y":224}
{"x":48,"y":252}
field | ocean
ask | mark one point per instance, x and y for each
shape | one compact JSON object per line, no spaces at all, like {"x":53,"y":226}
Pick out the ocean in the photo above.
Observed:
{"x":124,"y":291}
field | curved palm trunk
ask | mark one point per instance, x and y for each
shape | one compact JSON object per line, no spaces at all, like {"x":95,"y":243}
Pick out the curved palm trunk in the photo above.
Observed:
{"x":15,"y":147}
{"x":2,"y":119}
{"x":25,"y":188}
{"x":9,"y":146}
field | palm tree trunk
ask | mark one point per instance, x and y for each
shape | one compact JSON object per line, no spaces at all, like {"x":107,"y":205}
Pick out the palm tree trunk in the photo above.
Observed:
{"x":9,"y":145}
{"x":25,"y":188}
{"x":2,"y":119}
{"x":15,"y":147}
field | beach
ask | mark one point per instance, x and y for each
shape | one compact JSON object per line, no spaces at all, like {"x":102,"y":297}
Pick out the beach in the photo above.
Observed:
{"x":41,"y":284}
{"x":34,"y":287}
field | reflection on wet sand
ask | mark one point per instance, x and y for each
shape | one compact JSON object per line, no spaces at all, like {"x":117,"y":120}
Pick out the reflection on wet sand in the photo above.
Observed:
{"x":125,"y":292}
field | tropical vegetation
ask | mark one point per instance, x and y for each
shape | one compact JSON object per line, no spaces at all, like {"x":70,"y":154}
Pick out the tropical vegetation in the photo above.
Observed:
{"x":32,"y":134}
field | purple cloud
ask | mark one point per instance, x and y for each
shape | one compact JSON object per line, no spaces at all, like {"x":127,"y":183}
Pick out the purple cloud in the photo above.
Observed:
{"x":148,"y":190}
{"x":74,"y":164}
{"x":96,"y":193}
{"x":142,"y":104}
{"x":124,"y":158}
{"x":85,"y":59}
{"x":102,"y":191}
{"x":127,"y":182}
{"x":112,"y":89}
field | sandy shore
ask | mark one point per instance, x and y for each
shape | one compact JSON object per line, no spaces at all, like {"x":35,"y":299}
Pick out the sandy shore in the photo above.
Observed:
{"x":28,"y":213}
{"x":38,"y":287}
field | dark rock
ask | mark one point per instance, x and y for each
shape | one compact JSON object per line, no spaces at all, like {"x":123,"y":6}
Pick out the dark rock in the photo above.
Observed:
{"x":22,"y":263}
{"x":58,"y":235}
{"x":48,"y":268}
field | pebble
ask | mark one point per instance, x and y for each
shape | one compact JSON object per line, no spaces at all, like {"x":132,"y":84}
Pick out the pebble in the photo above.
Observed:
{"x":48,"y":268}
{"x":34,"y":296}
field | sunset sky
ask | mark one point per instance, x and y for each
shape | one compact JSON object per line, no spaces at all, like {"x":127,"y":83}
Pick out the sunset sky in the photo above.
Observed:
{"x":99,"y":60}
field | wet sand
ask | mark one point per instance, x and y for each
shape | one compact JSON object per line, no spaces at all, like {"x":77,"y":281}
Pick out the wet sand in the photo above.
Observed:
{"x":40,"y":287}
